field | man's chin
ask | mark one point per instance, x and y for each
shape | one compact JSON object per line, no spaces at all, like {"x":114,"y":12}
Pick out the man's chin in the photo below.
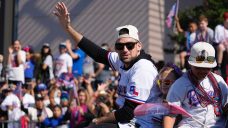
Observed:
{"x":202,"y":76}
{"x":125,"y":60}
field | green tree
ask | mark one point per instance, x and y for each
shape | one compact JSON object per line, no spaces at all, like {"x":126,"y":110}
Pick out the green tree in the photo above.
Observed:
{"x":212,"y":9}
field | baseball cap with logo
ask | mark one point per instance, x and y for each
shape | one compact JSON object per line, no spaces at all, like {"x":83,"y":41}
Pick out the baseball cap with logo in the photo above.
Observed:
{"x":128,"y":31}
{"x":202,"y":55}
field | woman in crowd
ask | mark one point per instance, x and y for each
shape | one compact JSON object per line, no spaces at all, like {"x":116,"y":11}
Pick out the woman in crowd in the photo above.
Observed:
{"x":46,"y":64}
{"x":80,"y":114}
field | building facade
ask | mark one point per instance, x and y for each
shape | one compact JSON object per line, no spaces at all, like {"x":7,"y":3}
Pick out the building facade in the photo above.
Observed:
{"x":35,"y":23}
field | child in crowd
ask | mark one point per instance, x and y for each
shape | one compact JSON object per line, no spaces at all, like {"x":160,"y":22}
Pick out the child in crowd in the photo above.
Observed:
{"x":29,"y":64}
{"x":58,"y":119}
{"x":166,"y":77}
{"x":190,"y":39}
{"x":204,"y":33}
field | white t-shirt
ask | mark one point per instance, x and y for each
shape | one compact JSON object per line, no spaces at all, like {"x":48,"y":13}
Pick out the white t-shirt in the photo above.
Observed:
{"x":16,"y":72}
{"x":182,"y":94}
{"x":49,"y":62}
{"x":46,"y":113}
{"x":62,"y":63}
{"x":191,"y":39}
{"x":28,"y":100}
{"x":11,"y":99}
{"x":221,"y":34}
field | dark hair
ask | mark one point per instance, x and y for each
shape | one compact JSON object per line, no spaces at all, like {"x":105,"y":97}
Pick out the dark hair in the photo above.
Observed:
{"x":159,"y":64}
{"x":57,"y":106}
{"x":123,"y":31}
{"x":192,"y":21}
{"x":44,"y":55}
{"x":81,"y":90}
{"x":84,"y":91}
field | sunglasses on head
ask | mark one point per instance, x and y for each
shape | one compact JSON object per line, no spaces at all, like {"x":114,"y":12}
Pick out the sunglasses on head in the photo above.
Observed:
{"x":129,"y":45}
{"x":165,"y":82}
{"x":209,"y":59}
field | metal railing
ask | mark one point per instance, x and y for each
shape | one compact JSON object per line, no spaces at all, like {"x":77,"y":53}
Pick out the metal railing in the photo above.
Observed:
{"x":30,"y":124}
{"x":17,"y":124}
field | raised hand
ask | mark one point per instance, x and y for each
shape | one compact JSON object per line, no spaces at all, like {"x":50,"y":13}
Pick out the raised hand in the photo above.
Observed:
{"x":10,"y":49}
{"x":68,"y":45}
{"x":102,"y":87}
{"x":62,"y":13}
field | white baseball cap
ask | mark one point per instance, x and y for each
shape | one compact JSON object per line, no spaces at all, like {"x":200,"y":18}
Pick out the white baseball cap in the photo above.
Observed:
{"x":128,"y":31}
{"x":202,"y":55}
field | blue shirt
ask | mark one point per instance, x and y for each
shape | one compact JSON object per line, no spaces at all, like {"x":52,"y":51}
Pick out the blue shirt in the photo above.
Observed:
{"x":77,"y":69}
{"x":53,"y":122}
{"x":29,"y":69}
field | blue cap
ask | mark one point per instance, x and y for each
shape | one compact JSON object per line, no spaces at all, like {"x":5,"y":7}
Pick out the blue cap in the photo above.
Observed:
{"x":41,"y":87}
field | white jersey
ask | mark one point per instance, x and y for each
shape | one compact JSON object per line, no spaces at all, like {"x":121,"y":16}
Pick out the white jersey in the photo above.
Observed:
{"x":135,"y":83}
{"x":62,"y":63}
{"x":221,"y":34}
{"x":182,"y":94}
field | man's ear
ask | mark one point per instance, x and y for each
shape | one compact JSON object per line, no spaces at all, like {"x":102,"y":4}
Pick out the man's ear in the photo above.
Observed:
{"x":139,"y":46}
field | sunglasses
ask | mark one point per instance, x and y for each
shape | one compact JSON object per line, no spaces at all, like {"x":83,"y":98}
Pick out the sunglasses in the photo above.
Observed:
{"x":209,"y":59}
{"x":165,"y":82}
{"x":129,"y":45}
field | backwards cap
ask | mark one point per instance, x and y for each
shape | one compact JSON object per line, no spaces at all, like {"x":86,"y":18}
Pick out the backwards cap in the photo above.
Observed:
{"x":128,"y":31}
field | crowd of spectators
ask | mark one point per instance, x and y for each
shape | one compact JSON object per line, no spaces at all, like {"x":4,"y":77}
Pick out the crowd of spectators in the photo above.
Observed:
{"x":67,"y":90}
{"x":70,"y":90}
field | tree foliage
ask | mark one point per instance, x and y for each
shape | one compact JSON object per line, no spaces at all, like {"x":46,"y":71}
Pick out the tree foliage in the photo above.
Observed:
{"x":212,"y":9}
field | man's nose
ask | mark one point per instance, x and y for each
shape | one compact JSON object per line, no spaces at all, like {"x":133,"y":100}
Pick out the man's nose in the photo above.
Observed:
{"x":125,"y":48}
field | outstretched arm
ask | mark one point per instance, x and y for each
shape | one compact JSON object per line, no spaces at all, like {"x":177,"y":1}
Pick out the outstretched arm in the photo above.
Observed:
{"x":64,"y":18}
{"x":94,"y":51}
